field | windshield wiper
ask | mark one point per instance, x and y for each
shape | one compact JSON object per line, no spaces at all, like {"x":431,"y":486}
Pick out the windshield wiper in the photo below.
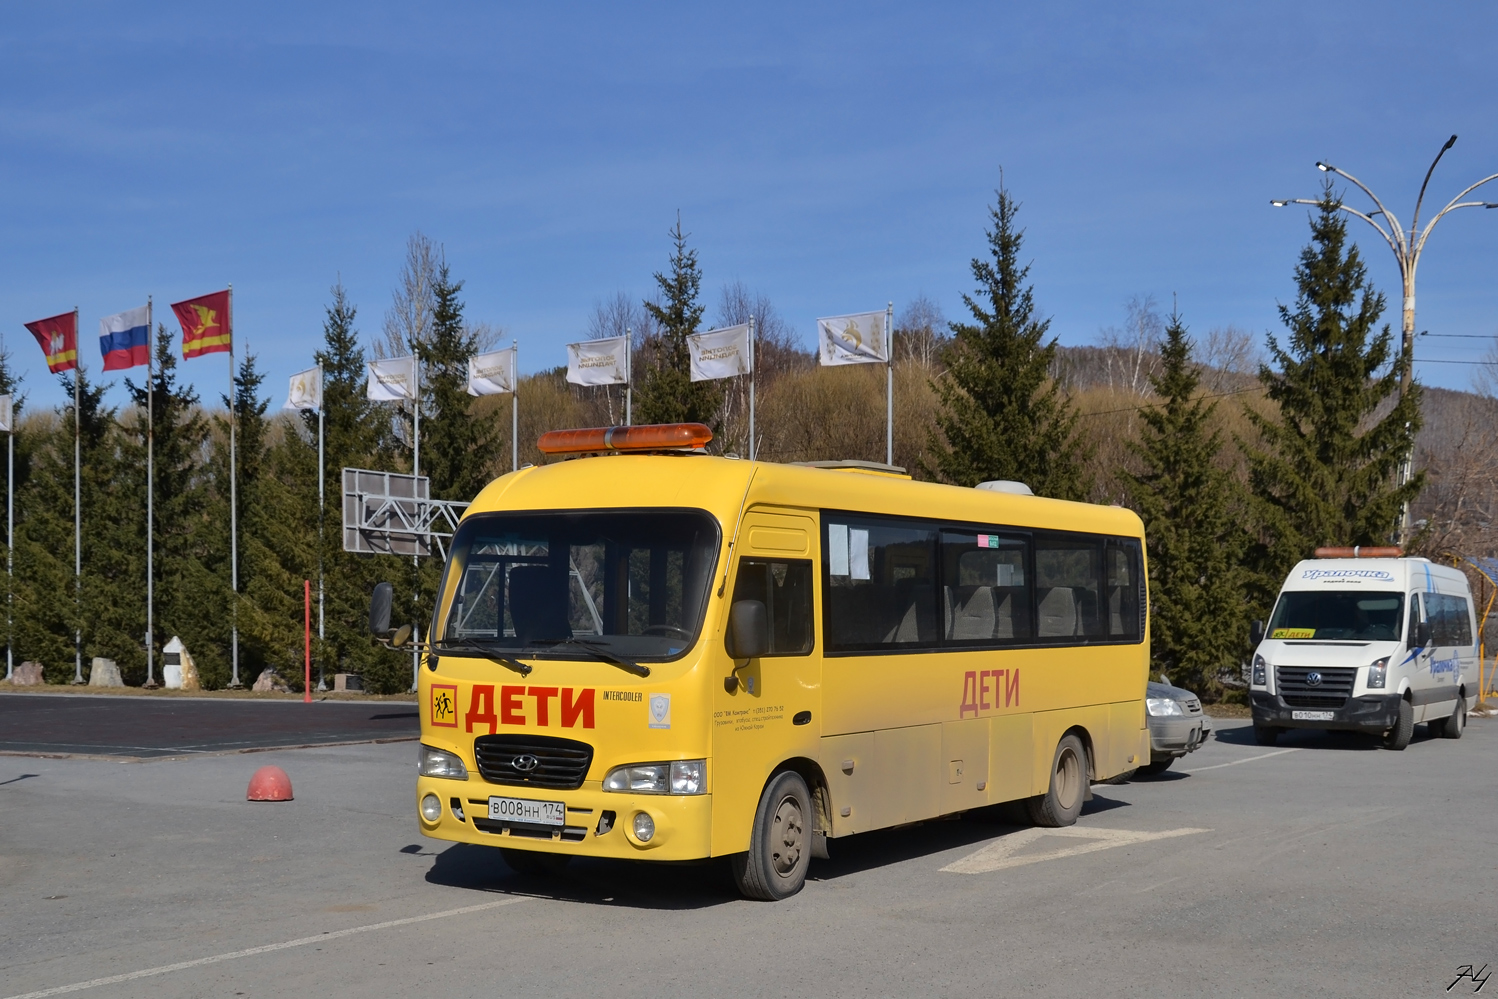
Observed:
{"x":474,"y":648}
{"x":612,"y":658}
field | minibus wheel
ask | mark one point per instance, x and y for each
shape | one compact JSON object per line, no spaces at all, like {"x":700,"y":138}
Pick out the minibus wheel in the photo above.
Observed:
{"x":780,"y":843}
{"x":1266,"y":735}
{"x":1062,"y":802}
{"x":1452,"y":727}
{"x":534,"y":863}
{"x":1398,"y":737}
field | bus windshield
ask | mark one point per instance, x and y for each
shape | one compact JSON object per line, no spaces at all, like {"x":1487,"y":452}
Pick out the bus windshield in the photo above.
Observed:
{"x":1338,"y":615}
{"x":633,"y":583}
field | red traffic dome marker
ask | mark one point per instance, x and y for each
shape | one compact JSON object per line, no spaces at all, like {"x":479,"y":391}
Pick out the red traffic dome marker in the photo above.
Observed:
{"x":269,"y":784}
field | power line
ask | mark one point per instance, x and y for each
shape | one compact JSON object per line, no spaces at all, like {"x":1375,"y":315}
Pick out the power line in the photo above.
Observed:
{"x":1146,"y":405}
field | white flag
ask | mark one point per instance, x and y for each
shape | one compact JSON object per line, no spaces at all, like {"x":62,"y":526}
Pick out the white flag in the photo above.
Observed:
{"x":306,"y":390}
{"x":7,"y":414}
{"x":392,"y":380}
{"x":856,"y":339}
{"x":489,"y":374}
{"x":720,"y":353}
{"x":599,"y":362}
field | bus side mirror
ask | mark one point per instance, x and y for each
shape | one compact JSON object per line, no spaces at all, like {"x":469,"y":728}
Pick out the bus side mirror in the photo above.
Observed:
{"x":748,"y":630}
{"x":1256,"y":633}
{"x":379,"y":609}
{"x":1423,"y":634}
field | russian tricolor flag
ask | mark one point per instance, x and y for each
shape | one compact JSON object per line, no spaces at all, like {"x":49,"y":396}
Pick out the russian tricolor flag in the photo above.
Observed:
{"x":125,"y":339}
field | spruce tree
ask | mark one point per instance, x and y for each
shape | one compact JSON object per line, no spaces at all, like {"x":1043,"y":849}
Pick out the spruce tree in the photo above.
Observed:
{"x":1323,"y":472}
{"x":667,"y":393}
{"x":1002,"y":414}
{"x":1192,"y":527}
{"x":457,"y":450}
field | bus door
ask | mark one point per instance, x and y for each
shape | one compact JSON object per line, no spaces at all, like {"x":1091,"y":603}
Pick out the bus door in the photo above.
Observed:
{"x":774,"y":711}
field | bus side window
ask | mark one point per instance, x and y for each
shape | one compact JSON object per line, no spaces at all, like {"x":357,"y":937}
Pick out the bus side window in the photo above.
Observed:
{"x":879,"y":589}
{"x":784,"y":587}
{"x":1124,"y":592}
{"x":1068,"y":571}
{"x":1450,"y":624}
{"x":985,"y":596}
{"x":1411,"y":639}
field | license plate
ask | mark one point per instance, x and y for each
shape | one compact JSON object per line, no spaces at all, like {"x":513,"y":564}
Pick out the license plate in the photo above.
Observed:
{"x":541,"y":813}
{"x":1296,"y":715}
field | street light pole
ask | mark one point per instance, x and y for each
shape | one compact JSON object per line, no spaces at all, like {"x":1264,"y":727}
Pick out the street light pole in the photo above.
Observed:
{"x":1407,"y":247}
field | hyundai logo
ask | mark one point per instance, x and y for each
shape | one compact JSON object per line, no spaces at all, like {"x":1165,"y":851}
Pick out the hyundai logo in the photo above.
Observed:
{"x":525,"y":762}
{"x":1313,"y":679}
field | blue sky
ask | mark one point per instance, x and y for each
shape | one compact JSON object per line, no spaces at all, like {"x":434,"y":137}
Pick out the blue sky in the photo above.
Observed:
{"x":833,"y":157}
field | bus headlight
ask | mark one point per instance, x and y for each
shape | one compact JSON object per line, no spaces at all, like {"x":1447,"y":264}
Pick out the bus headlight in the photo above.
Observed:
{"x":678,"y":777}
{"x":1161,"y":707}
{"x":1261,"y":671}
{"x":1378,"y":674}
{"x":440,"y":763}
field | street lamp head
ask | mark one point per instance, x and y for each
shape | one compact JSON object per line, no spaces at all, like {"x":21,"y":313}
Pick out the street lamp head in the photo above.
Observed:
{"x":1449,"y":143}
{"x":1278,"y":204}
{"x":1323,"y":167}
{"x":1491,"y":204}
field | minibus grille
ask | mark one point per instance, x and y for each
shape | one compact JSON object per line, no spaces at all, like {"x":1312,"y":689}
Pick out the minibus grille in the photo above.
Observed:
{"x":1293,"y":683}
{"x":560,"y":764}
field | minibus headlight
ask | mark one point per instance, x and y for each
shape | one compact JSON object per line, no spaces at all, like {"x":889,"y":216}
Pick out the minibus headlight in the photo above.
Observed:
{"x":679,"y":777}
{"x":440,"y":763}
{"x":1261,"y":671}
{"x":1162,"y":707}
{"x":1378,"y":674}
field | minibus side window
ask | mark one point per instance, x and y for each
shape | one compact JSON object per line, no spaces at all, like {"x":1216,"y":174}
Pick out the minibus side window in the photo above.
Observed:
{"x":879,"y":589}
{"x":1450,"y":624}
{"x":1069,"y":598}
{"x":784,"y":587}
{"x":1124,"y":595}
{"x":1411,"y":635}
{"x":985,"y":590}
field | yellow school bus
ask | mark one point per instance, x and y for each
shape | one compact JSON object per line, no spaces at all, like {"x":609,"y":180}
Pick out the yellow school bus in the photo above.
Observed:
{"x":650,"y":653}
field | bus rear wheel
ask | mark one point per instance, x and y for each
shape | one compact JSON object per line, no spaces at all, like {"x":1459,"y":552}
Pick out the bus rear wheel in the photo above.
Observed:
{"x":780,"y":842}
{"x":1062,"y":802}
{"x":1452,"y":727}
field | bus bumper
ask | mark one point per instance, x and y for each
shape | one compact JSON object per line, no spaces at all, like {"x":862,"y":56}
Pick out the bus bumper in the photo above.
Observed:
{"x":1370,"y":713}
{"x":598,"y":823}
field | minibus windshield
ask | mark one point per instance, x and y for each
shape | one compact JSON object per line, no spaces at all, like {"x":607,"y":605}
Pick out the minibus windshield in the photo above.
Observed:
{"x":580,"y":584}
{"x":1337,"y":615}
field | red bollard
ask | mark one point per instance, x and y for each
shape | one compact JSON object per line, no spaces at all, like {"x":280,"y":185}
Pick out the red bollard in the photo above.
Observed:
{"x":269,"y":784}
{"x":307,"y":642}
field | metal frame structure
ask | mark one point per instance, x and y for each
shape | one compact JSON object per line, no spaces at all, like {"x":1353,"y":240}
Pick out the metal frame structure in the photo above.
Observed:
{"x":390,"y":513}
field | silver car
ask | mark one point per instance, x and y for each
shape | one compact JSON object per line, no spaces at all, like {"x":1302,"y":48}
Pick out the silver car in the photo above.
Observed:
{"x":1177,"y":725}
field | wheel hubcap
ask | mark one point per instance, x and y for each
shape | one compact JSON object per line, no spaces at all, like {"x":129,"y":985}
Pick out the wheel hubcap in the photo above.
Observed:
{"x":1068,"y":779}
{"x":787,"y":834}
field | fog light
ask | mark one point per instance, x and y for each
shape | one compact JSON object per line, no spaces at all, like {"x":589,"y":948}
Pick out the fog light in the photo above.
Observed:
{"x":644,"y":827}
{"x":431,"y":808}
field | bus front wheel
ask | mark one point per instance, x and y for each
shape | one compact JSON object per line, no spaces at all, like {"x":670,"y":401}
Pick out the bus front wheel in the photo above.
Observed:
{"x":1062,"y":802}
{"x":780,"y":842}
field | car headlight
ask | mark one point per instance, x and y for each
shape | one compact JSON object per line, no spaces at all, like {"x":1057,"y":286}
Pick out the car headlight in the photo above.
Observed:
{"x":440,"y":763}
{"x":678,"y":777}
{"x":1161,"y":707}
{"x":1261,"y":671}
{"x":1378,"y":674}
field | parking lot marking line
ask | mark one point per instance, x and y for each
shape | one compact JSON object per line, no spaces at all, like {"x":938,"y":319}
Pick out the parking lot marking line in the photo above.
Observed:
{"x":265,"y":949}
{"x":999,"y":854}
{"x":1234,"y":763}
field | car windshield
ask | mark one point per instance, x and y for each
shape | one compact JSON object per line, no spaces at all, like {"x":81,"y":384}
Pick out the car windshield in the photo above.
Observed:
{"x":632,"y":583}
{"x":1338,"y":615}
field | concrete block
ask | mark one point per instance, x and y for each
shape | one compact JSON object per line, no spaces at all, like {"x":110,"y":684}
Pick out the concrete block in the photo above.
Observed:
{"x":28,"y":674}
{"x":348,"y":682}
{"x":104,"y":673}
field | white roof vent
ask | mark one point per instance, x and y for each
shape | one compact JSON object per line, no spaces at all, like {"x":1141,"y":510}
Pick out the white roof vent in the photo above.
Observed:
{"x":1006,"y":486}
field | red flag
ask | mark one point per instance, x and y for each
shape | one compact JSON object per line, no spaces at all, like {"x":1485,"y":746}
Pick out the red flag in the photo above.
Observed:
{"x":205,"y":324}
{"x":58,"y":337}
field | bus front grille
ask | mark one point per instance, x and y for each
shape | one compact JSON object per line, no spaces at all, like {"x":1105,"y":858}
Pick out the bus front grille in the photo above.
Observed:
{"x":1333,"y":688}
{"x":544,"y":761}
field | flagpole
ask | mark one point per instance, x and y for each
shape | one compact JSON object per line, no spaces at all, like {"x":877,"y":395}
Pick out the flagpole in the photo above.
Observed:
{"x":889,"y":386}
{"x":233,"y":502}
{"x":514,"y":407}
{"x":10,"y":536}
{"x":321,"y":507}
{"x":77,"y":511}
{"x":415,"y":556}
{"x":751,"y":388}
{"x":629,"y":382}
{"x":150,"y":500}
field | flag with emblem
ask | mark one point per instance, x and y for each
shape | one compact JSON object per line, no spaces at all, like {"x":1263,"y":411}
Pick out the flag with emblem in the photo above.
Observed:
{"x":205,"y":324}
{"x":58,"y":338}
{"x":856,"y":339}
{"x":306,"y":390}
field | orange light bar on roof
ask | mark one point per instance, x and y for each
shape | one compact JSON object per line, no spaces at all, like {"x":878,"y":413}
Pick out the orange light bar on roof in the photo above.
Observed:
{"x":1361,"y":551}
{"x":652,"y":437}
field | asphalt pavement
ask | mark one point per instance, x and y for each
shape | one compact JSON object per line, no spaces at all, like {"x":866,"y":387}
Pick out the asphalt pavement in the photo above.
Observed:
{"x":1321,"y":867}
{"x":138,"y":727}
